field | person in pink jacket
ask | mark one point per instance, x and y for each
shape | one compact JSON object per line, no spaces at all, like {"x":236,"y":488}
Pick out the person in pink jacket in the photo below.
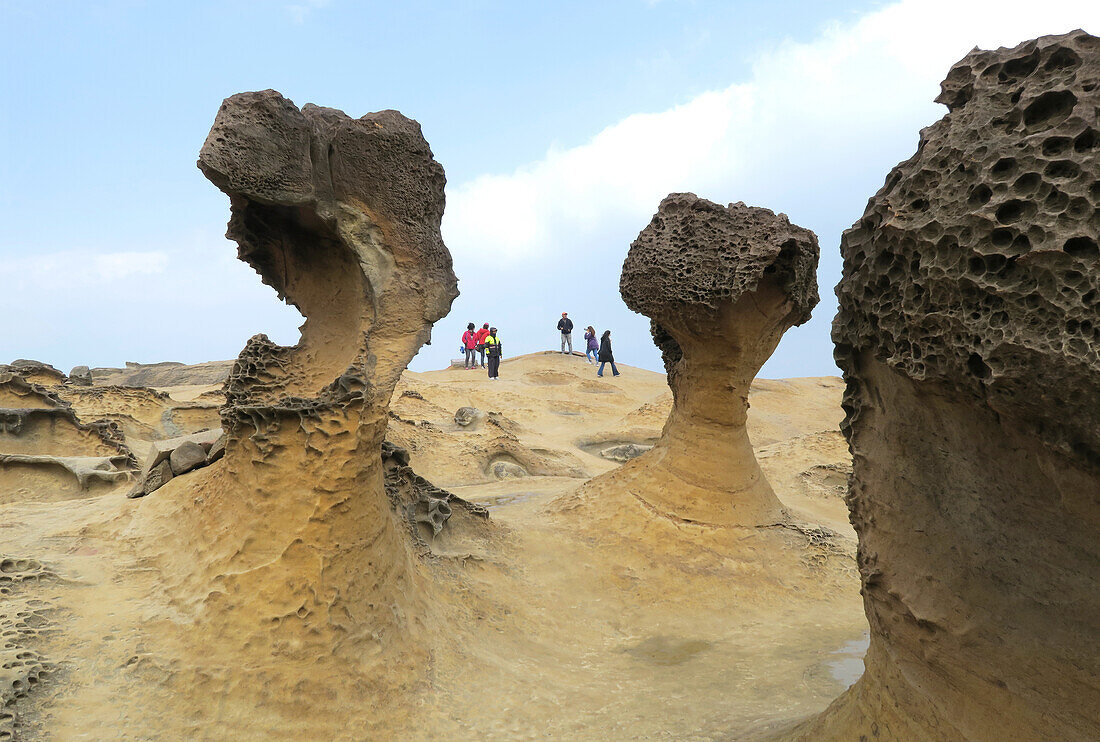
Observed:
{"x":469,"y":342}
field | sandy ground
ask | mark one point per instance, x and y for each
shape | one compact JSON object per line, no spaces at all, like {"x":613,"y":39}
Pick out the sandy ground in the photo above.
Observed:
{"x":583,"y":616}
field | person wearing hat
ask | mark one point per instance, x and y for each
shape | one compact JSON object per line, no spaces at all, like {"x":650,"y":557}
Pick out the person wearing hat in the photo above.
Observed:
{"x":565,"y":325}
{"x":492,"y":347}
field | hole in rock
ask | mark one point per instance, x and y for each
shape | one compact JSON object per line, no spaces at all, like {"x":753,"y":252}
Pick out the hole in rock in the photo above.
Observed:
{"x":1062,"y":170}
{"x":1020,"y":66}
{"x":1027,"y":182}
{"x":1082,"y":247}
{"x":1049,"y":109}
{"x":1061,"y":59}
{"x":980,"y":195}
{"x":1014,"y":210}
{"x":978,"y":367}
{"x":1003,"y":168}
{"x":1086,"y":140}
{"x":1056,"y":146}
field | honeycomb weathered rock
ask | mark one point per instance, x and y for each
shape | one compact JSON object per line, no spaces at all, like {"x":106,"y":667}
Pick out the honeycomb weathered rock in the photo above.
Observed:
{"x":721,"y":286}
{"x":968,"y":333}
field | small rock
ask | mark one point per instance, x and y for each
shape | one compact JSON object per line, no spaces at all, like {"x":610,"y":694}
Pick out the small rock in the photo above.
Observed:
{"x":217,"y":450}
{"x":157,"y":477}
{"x":80,"y":376}
{"x":465,"y":416}
{"x":507,"y":470}
{"x":624,"y":452}
{"x":186,"y":457}
{"x":160,"y":450}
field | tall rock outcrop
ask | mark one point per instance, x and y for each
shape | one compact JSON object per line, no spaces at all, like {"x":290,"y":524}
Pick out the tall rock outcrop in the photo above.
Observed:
{"x":721,"y":286}
{"x":968,"y":332}
{"x":289,"y":544}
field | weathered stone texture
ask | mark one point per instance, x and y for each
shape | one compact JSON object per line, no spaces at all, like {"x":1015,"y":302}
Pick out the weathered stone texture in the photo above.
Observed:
{"x":721,"y":285}
{"x":968,"y":334}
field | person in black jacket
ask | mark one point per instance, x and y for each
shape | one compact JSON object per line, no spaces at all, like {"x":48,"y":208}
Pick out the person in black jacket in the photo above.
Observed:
{"x":606,"y":355}
{"x":565,"y":325}
{"x":492,"y":345}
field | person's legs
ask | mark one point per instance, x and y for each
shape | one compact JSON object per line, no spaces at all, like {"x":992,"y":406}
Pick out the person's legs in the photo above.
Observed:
{"x":569,"y":342}
{"x":481,"y":350}
{"x":614,"y":369}
{"x":563,"y":342}
{"x":599,"y":371}
{"x":469,"y":358}
{"x":494,"y":366}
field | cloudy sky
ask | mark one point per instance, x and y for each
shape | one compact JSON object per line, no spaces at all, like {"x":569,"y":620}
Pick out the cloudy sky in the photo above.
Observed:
{"x":560,"y":125}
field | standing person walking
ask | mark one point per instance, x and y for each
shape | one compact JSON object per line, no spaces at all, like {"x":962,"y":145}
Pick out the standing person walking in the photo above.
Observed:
{"x":469,"y":342}
{"x":566,"y":326}
{"x":592,"y":345}
{"x":605,"y":355}
{"x":481,"y":335}
{"x":492,"y":346}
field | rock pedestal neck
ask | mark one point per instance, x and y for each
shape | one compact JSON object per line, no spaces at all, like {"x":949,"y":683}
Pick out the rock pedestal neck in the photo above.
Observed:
{"x":721,"y":286}
{"x":341,"y":217}
{"x":968,"y":332}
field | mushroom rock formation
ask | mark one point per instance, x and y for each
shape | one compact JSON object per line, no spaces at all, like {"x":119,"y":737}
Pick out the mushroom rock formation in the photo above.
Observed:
{"x":304,"y":558}
{"x":721,"y":286}
{"x":968,"y":332}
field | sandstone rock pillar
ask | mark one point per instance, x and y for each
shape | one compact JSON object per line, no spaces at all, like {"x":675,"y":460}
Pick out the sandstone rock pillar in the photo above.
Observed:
{"x":721,"y":286}
{"x":968,"y":333}
{"x":341,"y":217}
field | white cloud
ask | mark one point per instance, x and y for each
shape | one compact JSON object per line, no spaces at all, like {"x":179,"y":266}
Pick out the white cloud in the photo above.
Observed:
{"x":301,"y":10}
{"x":807,"y":109}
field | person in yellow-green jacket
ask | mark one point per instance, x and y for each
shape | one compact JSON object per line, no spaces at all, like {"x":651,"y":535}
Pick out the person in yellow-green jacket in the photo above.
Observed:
{"x":493,"y":350}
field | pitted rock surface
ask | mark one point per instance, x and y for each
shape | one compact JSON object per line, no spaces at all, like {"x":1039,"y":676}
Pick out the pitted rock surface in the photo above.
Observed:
{"x":976,"y":263}
{"x":341,"y":217}
{"x":967,"y":334}
{"x":696,"y":255}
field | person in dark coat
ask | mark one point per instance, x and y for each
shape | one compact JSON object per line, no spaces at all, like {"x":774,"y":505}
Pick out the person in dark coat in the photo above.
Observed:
{"x":605,"y":355}
{"x":492,"y":345}
{"x":565,"y":326}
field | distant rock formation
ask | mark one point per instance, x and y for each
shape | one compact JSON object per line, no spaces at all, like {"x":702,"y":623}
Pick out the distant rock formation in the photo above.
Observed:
{"x":35,"y":372}
{"x":968,"y":334}
{"x":46,"y":452}
{"x":341,"y":217}
{"x":721,"y":285}
{"x":167,"y":373}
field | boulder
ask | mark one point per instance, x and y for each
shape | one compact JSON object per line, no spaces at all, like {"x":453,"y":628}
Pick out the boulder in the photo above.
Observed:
{"x":466,"y":416}
{"x":161,"y":450}
{"x":624,"y":452}
{"x":80,"y":376}
{"x":157,"y":477}
{"x":507,"y":470}
{"x":217,"y":450}
{"x":186,"y":457}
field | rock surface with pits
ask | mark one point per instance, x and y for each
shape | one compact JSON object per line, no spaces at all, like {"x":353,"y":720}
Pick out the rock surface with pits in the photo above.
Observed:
{"x":968,"y":335}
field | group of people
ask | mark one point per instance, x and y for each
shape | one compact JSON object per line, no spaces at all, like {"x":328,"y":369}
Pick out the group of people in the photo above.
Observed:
{"x":595,"y":350}
{"x":485,"y":343}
